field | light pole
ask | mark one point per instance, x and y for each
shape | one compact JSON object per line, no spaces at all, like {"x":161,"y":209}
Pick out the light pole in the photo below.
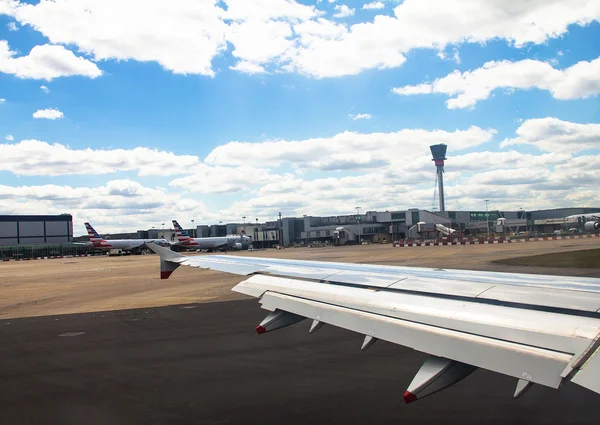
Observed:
{"x":359,"y":229}
{"x":487,"y":220}
{"x":305,"y":232}
{"x":244,"y":218}
{"x":280,"y":231}
{"x":163,"y":231}
{"x":193,"y":230}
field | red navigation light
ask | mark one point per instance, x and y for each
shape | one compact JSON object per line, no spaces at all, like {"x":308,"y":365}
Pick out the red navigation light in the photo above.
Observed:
{"x":409,"y":397}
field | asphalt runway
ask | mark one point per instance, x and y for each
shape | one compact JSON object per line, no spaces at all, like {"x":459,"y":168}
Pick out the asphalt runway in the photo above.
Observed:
{"x":203,"y":364}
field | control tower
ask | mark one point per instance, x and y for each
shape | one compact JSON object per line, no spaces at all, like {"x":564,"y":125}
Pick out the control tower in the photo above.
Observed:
{"x":439,"y":155}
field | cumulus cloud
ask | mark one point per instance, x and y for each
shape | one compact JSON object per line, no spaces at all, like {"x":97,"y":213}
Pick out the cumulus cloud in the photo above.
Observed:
{"x":45,"y":63}
{"x":344,"y":148}
{"x":185,"y":39}
{"x":381,"y":171}
{"x":435,"y":24}
{"x":48,"y":114}
{"x":343,"y":11}
{"x":373,"y":5}
{"x":38,"y":158}
{"x":2,"y":101}
{"x":116,"y":206}
{"x":554,"y":135}
{"x":578,"y":81}
{"x":266,"y":10}
{"x":9,"y":137}
{"x":45,"y":89}
{"x":218,"y":179}
{"x":360,"y":116}
{"x":182,"y":39}
{"x":248,"y":68}
{"x":12,"y":26}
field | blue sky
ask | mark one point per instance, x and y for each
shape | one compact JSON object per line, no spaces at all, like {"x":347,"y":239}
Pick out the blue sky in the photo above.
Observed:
{"x":328,"y":112}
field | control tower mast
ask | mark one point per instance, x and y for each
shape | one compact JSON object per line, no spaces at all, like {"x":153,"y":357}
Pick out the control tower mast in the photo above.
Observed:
{"x":439,"y":155}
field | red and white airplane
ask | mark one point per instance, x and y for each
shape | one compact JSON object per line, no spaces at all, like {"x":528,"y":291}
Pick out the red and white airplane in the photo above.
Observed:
{"x":211,"y":244}
{"x":99,"y":242}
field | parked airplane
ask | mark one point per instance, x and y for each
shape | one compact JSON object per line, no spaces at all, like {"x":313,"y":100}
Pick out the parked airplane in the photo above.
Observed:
{"x":591,"y":221}
{"x":536,"y":328}
{"x":125,"y":244}
{"x":220,"y":243}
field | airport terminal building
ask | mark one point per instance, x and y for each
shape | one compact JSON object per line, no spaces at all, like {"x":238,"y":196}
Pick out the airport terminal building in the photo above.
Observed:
{"x":35,"y":229}
{"x":388,"y":226}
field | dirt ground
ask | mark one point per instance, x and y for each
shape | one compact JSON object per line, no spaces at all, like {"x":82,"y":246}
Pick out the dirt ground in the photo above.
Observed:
{"x":78,"y":285}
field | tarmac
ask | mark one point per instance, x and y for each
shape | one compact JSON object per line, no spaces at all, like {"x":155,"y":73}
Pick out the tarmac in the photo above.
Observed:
{"x":202,"y":362}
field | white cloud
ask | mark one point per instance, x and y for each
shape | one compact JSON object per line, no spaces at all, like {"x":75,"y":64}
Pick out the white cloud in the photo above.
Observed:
{"x":360,"y":116}
{"x":578,"y":81}
{"x":9,"y":137}
{"x":186,"y":38}
{"x":266,"y":10}
{"x":45,"y":62}
{"x":248,"y":68}
{"x":45,"y":89}
{"x":410,"y":90}
{"x":116,"y":206}
{"x":182,"y":39}
{"x":48,"y":114}
{"x":554,"y":135}
{"x":343,"y":11}
{"x":12,"y":26}
{"x":2,"y":101}
{"x":217,"y":179}
{"x":383,"y":171}
{"x":258,"y":42}
{"x":455,"y":55}
{"x":373,"y":5}
{"x":347,"y":150}
{"x":435,"y":24}
{"x":37,"y":158}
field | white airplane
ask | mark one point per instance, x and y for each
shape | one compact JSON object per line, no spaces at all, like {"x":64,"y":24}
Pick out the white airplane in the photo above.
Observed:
{"x":538,"y":329}
{"x":214,"y":243}
{"x":99,"y":242}
{"x":591,"y":222}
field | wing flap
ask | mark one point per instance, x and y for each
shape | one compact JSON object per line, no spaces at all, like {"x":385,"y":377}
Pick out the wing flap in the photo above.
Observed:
{"x":548,"y":330}
{"x":530,"y":363}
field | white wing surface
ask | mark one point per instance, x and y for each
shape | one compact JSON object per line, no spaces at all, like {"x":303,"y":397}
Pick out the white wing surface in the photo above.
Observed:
{"x":537,"y":328}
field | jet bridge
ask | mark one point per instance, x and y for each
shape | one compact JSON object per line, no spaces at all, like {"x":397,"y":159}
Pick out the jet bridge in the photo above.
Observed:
{"x":422,"y":229}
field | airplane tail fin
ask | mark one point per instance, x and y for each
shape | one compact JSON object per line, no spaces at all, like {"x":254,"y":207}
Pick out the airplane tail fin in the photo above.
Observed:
{"x":182,"y":235}
{"x":95,"y":237}
{"x":168,"y":259}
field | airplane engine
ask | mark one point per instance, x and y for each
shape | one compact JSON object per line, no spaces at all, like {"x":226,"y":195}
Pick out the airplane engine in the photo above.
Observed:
{"x":591,"y":226}
{"x":238,"y":246}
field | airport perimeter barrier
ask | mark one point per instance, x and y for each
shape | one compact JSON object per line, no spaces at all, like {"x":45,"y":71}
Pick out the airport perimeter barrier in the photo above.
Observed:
{"x":484,"y":241}
{"x":38,"y":252}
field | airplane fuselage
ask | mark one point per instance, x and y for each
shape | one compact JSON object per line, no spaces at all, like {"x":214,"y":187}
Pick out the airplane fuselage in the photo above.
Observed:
{"x":127,"y":244}
{"x":214,"y":242}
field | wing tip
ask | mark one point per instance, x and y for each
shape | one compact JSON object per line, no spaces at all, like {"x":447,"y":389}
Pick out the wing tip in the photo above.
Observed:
{"x":409,"y":397}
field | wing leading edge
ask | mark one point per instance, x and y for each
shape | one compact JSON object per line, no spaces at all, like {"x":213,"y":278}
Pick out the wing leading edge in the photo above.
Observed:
{"x":538,"y":329}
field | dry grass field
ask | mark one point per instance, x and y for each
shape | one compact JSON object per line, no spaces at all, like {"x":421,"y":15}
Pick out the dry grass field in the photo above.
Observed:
{"x":77,"y":285}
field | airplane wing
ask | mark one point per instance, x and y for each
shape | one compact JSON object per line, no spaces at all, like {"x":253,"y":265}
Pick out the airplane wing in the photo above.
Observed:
{"x":536,"y":328}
